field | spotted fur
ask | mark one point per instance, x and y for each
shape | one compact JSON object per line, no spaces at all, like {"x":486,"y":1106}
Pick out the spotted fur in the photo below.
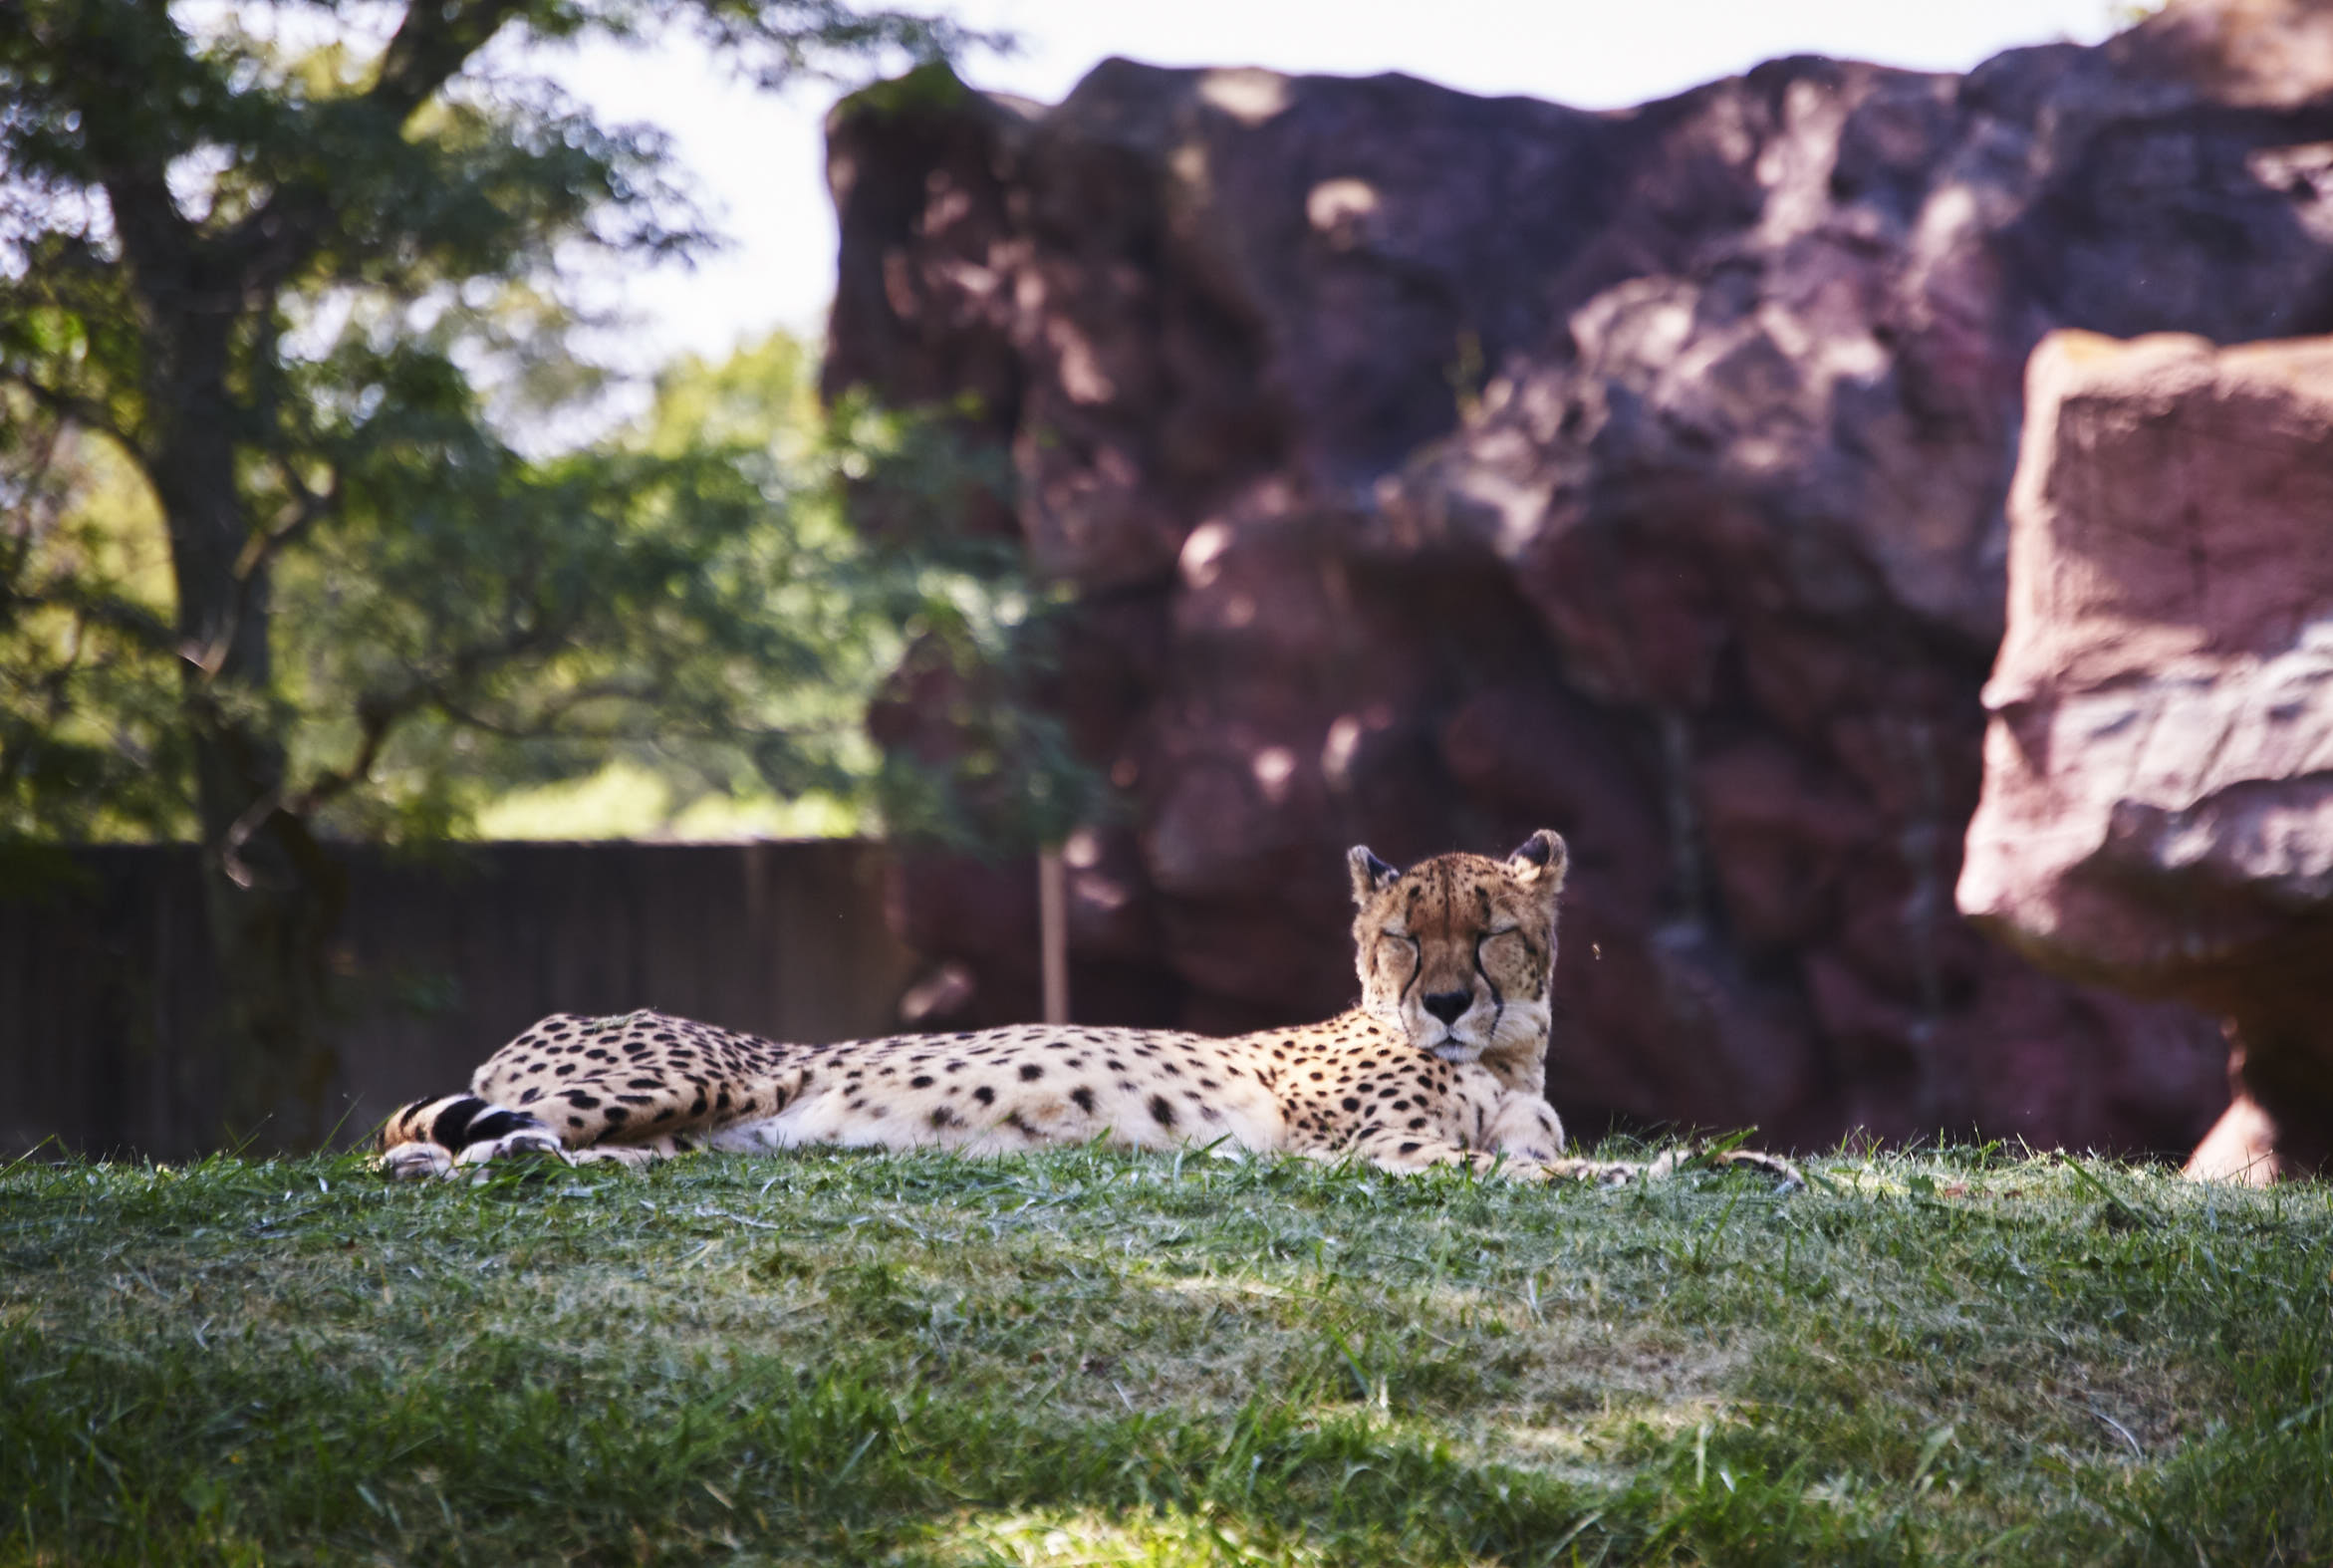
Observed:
{"x":1442,"y":1063}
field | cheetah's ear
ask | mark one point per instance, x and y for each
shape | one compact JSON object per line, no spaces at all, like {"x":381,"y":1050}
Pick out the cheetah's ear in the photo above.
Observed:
{"x":1541,"y":862}
{"x":1369,"y":873}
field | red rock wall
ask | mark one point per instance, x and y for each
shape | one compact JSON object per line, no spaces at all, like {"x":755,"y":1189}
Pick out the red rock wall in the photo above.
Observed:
{"x":1433,"y":468}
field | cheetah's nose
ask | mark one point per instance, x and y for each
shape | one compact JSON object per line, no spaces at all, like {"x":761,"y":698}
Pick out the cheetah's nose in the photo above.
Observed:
{"x":1446,"y":1005}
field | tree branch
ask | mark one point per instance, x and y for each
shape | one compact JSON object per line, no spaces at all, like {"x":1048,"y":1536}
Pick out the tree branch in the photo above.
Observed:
{"x":87,"y":413}
{"x":308,"y":508}
{"x":546,"y":720}
{"x":104,"y":68}
{"x":377,"y":714}
{"x":149,"y":631}
{"x":431,"y":45}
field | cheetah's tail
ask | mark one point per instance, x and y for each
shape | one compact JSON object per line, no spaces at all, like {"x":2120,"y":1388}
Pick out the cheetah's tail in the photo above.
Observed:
{"x":441,"y":1137}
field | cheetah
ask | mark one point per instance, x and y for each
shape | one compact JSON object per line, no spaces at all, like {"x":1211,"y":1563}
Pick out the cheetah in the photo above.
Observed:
{"x":1442,"y":1063}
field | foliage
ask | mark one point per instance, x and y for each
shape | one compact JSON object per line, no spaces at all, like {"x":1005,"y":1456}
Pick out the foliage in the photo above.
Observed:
{"x":89,"y":743}
{"x":739,"y":738}
{"x":1084,"y":1356}
{"x":441,"y":610}
{"x":296,"y":266}
{"x":739,"y":674}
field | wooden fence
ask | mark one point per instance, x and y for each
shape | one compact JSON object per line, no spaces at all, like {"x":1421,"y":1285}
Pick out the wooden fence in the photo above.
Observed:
{"x":106,"y":986}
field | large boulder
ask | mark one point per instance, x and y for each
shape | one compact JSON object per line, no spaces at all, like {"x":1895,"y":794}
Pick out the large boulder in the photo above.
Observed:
{"x":1433,"y":468}
{"x":2157,"y":808}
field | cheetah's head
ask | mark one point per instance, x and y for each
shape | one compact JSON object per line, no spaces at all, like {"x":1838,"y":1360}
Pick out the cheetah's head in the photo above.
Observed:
{"x":1459,"y":953}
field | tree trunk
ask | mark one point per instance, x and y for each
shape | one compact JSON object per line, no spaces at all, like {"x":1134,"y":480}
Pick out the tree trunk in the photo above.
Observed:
{"x":272,"y":895}
{"x":273,"y":900}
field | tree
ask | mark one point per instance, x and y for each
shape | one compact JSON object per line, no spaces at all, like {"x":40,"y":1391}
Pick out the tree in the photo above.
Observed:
{"x":284,"y":270}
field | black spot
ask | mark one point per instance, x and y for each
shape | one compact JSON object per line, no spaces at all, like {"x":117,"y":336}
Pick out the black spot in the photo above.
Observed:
{"x":1161,"y":1112}
{"x":1352,"y":1104}
{"x":582,"y":1101}
{"x":1031,"y":1072}
{"x":985,"y":1095}
{"x":1083,"y":1097}
{"x":919,"y":1080}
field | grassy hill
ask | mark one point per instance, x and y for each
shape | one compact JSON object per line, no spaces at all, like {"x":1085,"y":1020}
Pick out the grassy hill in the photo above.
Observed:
{"x":1091,"y":1358}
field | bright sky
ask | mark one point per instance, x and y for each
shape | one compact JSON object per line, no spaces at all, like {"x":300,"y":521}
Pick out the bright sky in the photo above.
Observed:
{"x":759,"y":160}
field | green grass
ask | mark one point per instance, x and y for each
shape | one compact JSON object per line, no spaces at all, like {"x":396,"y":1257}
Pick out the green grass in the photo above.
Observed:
{"x":1089,"y":1358}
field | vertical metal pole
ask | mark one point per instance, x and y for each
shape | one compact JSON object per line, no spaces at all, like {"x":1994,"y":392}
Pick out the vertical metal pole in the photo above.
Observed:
{"x":1053,"y":931}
